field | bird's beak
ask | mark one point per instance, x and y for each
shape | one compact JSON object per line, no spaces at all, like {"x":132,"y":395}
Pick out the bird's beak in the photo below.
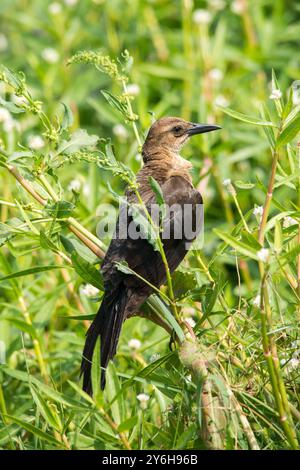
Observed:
{"x":201,"y":128}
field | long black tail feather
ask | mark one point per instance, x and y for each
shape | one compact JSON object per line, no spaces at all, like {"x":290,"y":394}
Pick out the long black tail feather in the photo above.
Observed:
{"x":107,"y":324}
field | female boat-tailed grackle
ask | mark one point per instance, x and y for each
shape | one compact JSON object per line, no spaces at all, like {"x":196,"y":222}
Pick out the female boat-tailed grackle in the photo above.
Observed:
{"x":125,"y":293}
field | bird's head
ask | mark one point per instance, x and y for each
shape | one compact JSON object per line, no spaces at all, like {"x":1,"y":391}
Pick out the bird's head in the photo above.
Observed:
{"x":170,"y":133}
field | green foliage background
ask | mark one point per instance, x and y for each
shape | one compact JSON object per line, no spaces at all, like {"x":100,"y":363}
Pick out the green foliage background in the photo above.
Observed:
{"x":186,"y":63}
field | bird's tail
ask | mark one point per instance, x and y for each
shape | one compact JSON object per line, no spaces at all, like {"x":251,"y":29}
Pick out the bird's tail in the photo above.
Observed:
{"x":107,"y":324}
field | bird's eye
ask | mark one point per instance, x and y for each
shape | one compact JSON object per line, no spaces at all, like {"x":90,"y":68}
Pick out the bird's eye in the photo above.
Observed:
{"x":177,"y":129}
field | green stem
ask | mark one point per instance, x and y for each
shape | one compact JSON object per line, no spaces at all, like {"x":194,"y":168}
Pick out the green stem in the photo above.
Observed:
{"x":271,"y":356}
{"x":131,"y":115}
{"x":163,"y":256}
{"x":3,"y":406}
{"x":240,"y":212}
{"x":70,"y":220}
{"x":266,"y":209}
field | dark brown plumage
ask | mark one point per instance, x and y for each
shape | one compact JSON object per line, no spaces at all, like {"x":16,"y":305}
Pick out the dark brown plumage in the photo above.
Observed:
{"x":124,"y":294}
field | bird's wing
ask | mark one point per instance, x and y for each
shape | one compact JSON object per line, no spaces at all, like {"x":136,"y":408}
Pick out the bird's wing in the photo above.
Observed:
{"x":180,"y":227}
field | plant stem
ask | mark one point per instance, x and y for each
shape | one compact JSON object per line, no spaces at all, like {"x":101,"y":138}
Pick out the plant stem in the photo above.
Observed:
{"x":266,"y":209}
{"x":131,"y":115}
{"x":163,"y":256}
{"x":270,"y":353}
{"x":35,"y":341}
{"x":3,"y":406}
{"x":25,"y":184}
{"x":114,"y":427}
{"x":240,"y":212}
{"x":73,"y":222}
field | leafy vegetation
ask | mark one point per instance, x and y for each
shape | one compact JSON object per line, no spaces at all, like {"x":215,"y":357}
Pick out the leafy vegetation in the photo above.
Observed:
{"x":75,"y":106}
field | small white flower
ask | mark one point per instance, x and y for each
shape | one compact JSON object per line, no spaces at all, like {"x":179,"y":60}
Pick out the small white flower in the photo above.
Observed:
{"x":89,"y":290}
{"x":134,"y":344}
{"x":3,"y":42}
{"x":70,"y":3}
{"x":201,"y":16}
{"x":289,"y":221}
{"x":138,"y":157}
{"x":190,"y":321}
{"x":55,"y":8}
{"x":143,"y":399}
{"x":237,"y":7}
{"x":275,"y":95}
{"x":4,"y":115}
{"x":227,"y":182}
{"x":74,"y":185}
{"x":221,"y":100}
{"x":50,"y":55}
{"x":120,"y":131}
{"x":216,"y":75}
{"x":36,"y":142}
{"x":133,"y":89}
{"x":258,"y":210}
{"x":256,"y":301}
{"x":263,"y":255}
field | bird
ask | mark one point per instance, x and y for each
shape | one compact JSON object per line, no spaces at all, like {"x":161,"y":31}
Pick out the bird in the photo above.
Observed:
{"x":125,"y":293}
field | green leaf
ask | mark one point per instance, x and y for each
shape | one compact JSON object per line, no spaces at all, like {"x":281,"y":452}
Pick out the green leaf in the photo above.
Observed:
{"x":46,"y":242}
{"x":87,"y":271}
{"x":90,"y":317}
{"x":239,"y":246}
{"x":72,"y":244}
{"x":245,"y":118}
{"x":112,"y":390}
{"x":241,"y":185}
{"x":269,"y":131}
{"x":35,"y":431}
{"x":186,"y":436}
{"x":289,"y":132}
{"x":50,"y":417}
{"x":20,"y":158}
{"x":289,"y":105}
{"x":183,"y":283}
{"x":158,"y":306}
{"x":79,"y":139}
{"x":148,"y":370}
{"x":96,"y":370}
{"x":157,"y":191}
{"x":128,"y":424}
{"x":114,"y":102}
{"x":81,"y":393}
{"x":11,"y":107}
{"x":22,"y":325}
{"x":159,"y":197}
{"x":48,"y":391}
{"x":68,"y":118}
{"x":28,"y":272}
{"x":124,"y":268}
{"x":144,"y":225}
{"x":60,"y":209}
